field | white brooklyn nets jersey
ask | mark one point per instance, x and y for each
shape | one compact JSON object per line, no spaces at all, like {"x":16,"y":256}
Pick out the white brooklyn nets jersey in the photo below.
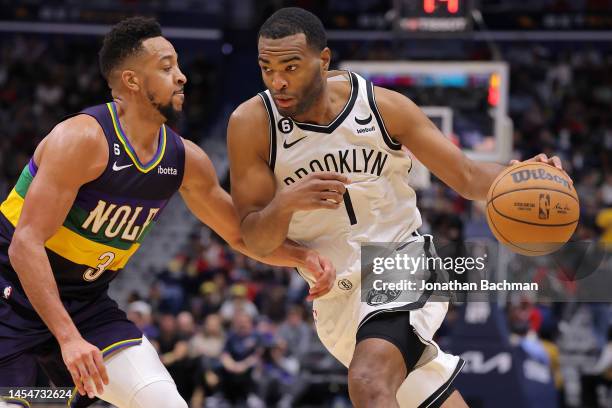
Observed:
{"x":379,"y":205}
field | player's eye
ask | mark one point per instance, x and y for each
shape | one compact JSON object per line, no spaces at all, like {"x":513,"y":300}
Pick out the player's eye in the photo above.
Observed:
{"x":291,"y":67}
{"x":167,"y":69}
{"x":266,"y":70}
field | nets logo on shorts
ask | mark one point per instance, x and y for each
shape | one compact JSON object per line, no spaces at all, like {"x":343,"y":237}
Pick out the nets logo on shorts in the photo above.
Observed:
{"x":345,"y":284}
{"x":380,"y":297}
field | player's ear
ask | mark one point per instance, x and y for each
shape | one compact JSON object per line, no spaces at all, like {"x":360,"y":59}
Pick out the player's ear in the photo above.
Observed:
{"x":325,"y":59}
{"x":130,"y":80}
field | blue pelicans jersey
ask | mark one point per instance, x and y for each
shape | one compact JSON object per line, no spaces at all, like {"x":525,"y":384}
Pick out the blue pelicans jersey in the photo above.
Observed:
{"x":110,"y":216}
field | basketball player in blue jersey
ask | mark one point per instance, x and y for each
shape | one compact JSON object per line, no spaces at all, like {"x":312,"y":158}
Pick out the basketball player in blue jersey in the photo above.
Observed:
{"x":300,"y":142}
{"x":93,"y":189}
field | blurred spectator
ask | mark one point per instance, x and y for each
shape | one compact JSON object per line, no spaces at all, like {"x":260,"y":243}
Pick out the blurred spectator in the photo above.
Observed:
{"x":548,"y":333}
{"x":140,"y":313}
{"x":206,"y":346}
{"x":277,"y":374}
{"x":524,"y":320}
{"x":296,"y":332}
{"x":238,"y":303}
{"x":185,"y":325}
{"x":210,"y":340}
{"x":297,"y":288}
{"x":272,"y":301}
{"x":168,"y":337}
{"x":604,"y":221}
{"x":598,"y":379}
{"x":209,"y":301}
{"x":240,"y":271}
{"x":174,"y":353}
{"x":606,"y":191}
{"x":242,"y":353}
{"x":171,"y":289}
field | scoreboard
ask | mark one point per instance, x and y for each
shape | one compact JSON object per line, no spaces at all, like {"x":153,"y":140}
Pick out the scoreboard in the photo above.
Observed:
{"x":434,"y":16}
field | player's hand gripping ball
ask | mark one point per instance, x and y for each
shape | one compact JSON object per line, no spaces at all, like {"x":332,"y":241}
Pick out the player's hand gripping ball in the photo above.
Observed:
{"x":533,"y":208}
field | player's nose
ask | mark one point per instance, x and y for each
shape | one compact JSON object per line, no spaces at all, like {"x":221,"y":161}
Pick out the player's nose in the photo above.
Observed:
{"x":279,"y":82}
{"x":181,"y":79}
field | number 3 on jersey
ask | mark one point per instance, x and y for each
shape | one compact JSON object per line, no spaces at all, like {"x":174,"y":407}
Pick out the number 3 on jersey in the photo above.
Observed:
{"x":92,"y":274}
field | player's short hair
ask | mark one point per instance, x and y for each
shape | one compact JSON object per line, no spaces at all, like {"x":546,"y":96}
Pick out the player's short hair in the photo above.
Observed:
{"x":294,"y":20}
{"x":124,"y":40}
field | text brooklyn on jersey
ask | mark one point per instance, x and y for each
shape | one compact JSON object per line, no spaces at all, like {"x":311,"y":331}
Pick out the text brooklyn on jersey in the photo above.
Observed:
{"x":344,"y":161}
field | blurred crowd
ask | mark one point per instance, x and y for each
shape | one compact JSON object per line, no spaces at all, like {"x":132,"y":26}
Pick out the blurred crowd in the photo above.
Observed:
{"x":44,"y":80}
{"x":234,"y":332}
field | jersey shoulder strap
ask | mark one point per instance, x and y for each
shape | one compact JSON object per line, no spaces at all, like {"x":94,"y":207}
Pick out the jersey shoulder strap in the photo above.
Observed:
{"x":271,"y":109}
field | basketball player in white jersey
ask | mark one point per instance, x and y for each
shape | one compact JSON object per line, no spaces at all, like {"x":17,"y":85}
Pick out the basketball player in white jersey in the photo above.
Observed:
{"x":318,"y":158}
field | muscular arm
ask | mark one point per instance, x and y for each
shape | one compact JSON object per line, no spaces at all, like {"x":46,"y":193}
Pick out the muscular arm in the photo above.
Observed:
{"x":265,"y":222}
{"x":408,"y":125}
{"x":74,"y":153}
{"x":265,"y":213}
{"x":214,"y":207}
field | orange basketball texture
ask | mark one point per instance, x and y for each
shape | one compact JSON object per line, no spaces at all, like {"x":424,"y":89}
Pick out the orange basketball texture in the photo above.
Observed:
{"x":532,"y":208}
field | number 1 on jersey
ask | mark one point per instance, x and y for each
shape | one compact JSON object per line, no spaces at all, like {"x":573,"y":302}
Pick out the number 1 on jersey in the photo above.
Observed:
{"x":349,"y":207}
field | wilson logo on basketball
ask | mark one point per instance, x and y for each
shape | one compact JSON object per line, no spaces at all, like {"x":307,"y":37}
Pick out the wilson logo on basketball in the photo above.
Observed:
{"x":538,"y":174}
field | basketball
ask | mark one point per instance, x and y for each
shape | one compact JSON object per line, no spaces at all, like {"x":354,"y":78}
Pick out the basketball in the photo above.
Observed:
{"x":532,"y":208}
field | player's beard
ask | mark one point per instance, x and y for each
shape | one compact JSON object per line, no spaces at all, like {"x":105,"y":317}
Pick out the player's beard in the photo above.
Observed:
{"x":309,"y":97}
{"x":166,"y":110}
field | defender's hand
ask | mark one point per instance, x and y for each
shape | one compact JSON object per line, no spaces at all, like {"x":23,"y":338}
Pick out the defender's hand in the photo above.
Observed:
{"x":314,"y":191}
{"x":324,"y":273}
{"x":86,"y":366}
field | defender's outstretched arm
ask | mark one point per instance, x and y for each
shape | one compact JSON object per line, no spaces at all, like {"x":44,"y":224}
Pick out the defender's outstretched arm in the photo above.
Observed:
{"x":214,"y":207}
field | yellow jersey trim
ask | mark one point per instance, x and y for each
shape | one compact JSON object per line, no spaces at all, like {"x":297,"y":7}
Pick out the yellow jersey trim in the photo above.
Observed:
{"x":128,"y":147}
{"x":11,"y":207}
{"x":68,"y":244}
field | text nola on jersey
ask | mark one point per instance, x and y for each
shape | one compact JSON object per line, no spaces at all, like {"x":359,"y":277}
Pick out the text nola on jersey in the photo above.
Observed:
{"x":482,"y":285}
